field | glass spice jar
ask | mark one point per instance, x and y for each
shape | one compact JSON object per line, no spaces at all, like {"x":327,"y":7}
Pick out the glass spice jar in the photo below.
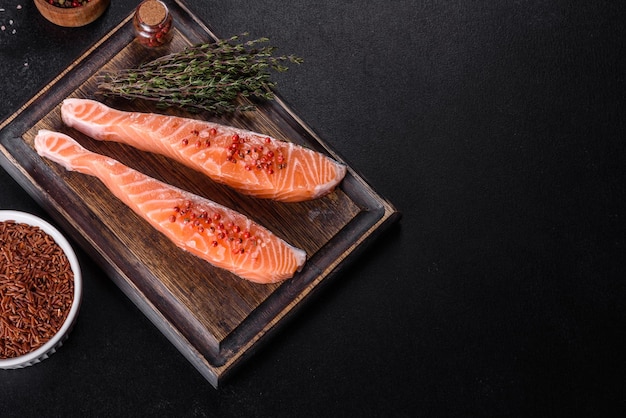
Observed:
{"x":152,"y":23}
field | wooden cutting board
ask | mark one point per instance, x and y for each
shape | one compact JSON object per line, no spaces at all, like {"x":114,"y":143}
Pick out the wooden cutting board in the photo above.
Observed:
{"x":213,"y":317}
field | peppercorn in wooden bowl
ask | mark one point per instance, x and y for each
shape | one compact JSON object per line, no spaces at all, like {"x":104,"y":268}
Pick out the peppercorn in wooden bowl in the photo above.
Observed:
{"x":40,"y":289}
{"x":71,"y":13}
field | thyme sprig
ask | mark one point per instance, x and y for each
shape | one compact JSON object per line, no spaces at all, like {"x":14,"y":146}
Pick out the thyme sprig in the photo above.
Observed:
{"x":207,"y":76}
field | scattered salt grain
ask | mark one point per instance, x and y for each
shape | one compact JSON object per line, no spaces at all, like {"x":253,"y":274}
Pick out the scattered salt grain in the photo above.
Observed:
{"x":11,"y":22}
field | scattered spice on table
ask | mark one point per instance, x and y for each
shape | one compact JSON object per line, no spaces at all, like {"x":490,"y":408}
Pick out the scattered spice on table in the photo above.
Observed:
{"x":7,"y":22}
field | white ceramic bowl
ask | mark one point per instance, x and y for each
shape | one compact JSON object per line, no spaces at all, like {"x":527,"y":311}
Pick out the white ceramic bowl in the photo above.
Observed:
{"x":59,"y":338}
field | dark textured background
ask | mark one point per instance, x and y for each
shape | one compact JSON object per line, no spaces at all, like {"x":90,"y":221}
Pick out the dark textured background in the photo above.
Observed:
{"x":496,"y":127}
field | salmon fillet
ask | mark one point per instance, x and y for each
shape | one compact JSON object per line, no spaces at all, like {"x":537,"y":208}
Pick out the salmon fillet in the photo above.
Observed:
{"x":249,"y":162}
{"x":217,"y":234}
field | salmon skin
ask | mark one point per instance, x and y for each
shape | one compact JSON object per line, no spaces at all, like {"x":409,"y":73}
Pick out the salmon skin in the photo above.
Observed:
{"x":217,"y":234}
{"x":249,"y":162}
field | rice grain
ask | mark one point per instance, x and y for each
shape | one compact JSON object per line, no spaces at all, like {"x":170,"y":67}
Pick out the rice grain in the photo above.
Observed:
{"x":36,"y":288}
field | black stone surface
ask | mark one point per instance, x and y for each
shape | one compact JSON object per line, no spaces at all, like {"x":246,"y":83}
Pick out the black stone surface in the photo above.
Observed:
{"x":496,"y":128}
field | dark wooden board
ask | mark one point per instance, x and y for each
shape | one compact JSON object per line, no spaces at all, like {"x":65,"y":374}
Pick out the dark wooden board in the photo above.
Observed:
{"x":213,"y":317}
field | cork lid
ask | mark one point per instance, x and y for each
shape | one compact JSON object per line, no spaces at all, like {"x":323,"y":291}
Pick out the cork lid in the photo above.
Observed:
{"x":152,"y":12}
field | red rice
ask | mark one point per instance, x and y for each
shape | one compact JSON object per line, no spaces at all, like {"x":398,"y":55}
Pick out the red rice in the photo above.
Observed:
{"x":36,"y":288}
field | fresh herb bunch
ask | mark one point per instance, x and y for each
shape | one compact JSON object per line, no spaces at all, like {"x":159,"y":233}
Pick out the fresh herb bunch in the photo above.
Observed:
{"x":207,"y":76}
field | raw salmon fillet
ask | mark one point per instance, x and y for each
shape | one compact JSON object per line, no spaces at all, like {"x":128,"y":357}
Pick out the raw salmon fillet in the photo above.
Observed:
{"x":219,"y":235}
{"x":249,"y":162}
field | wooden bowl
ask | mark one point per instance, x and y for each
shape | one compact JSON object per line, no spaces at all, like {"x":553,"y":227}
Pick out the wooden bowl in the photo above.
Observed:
{"x":72,"y":16}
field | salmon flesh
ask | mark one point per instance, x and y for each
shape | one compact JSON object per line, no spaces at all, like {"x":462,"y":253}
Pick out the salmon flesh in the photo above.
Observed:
{"x":249,"y":162}
{"x":215,"y":233}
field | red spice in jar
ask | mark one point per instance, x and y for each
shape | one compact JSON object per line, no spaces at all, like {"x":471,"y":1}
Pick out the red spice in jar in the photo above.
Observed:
{"x":152,"y":23}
